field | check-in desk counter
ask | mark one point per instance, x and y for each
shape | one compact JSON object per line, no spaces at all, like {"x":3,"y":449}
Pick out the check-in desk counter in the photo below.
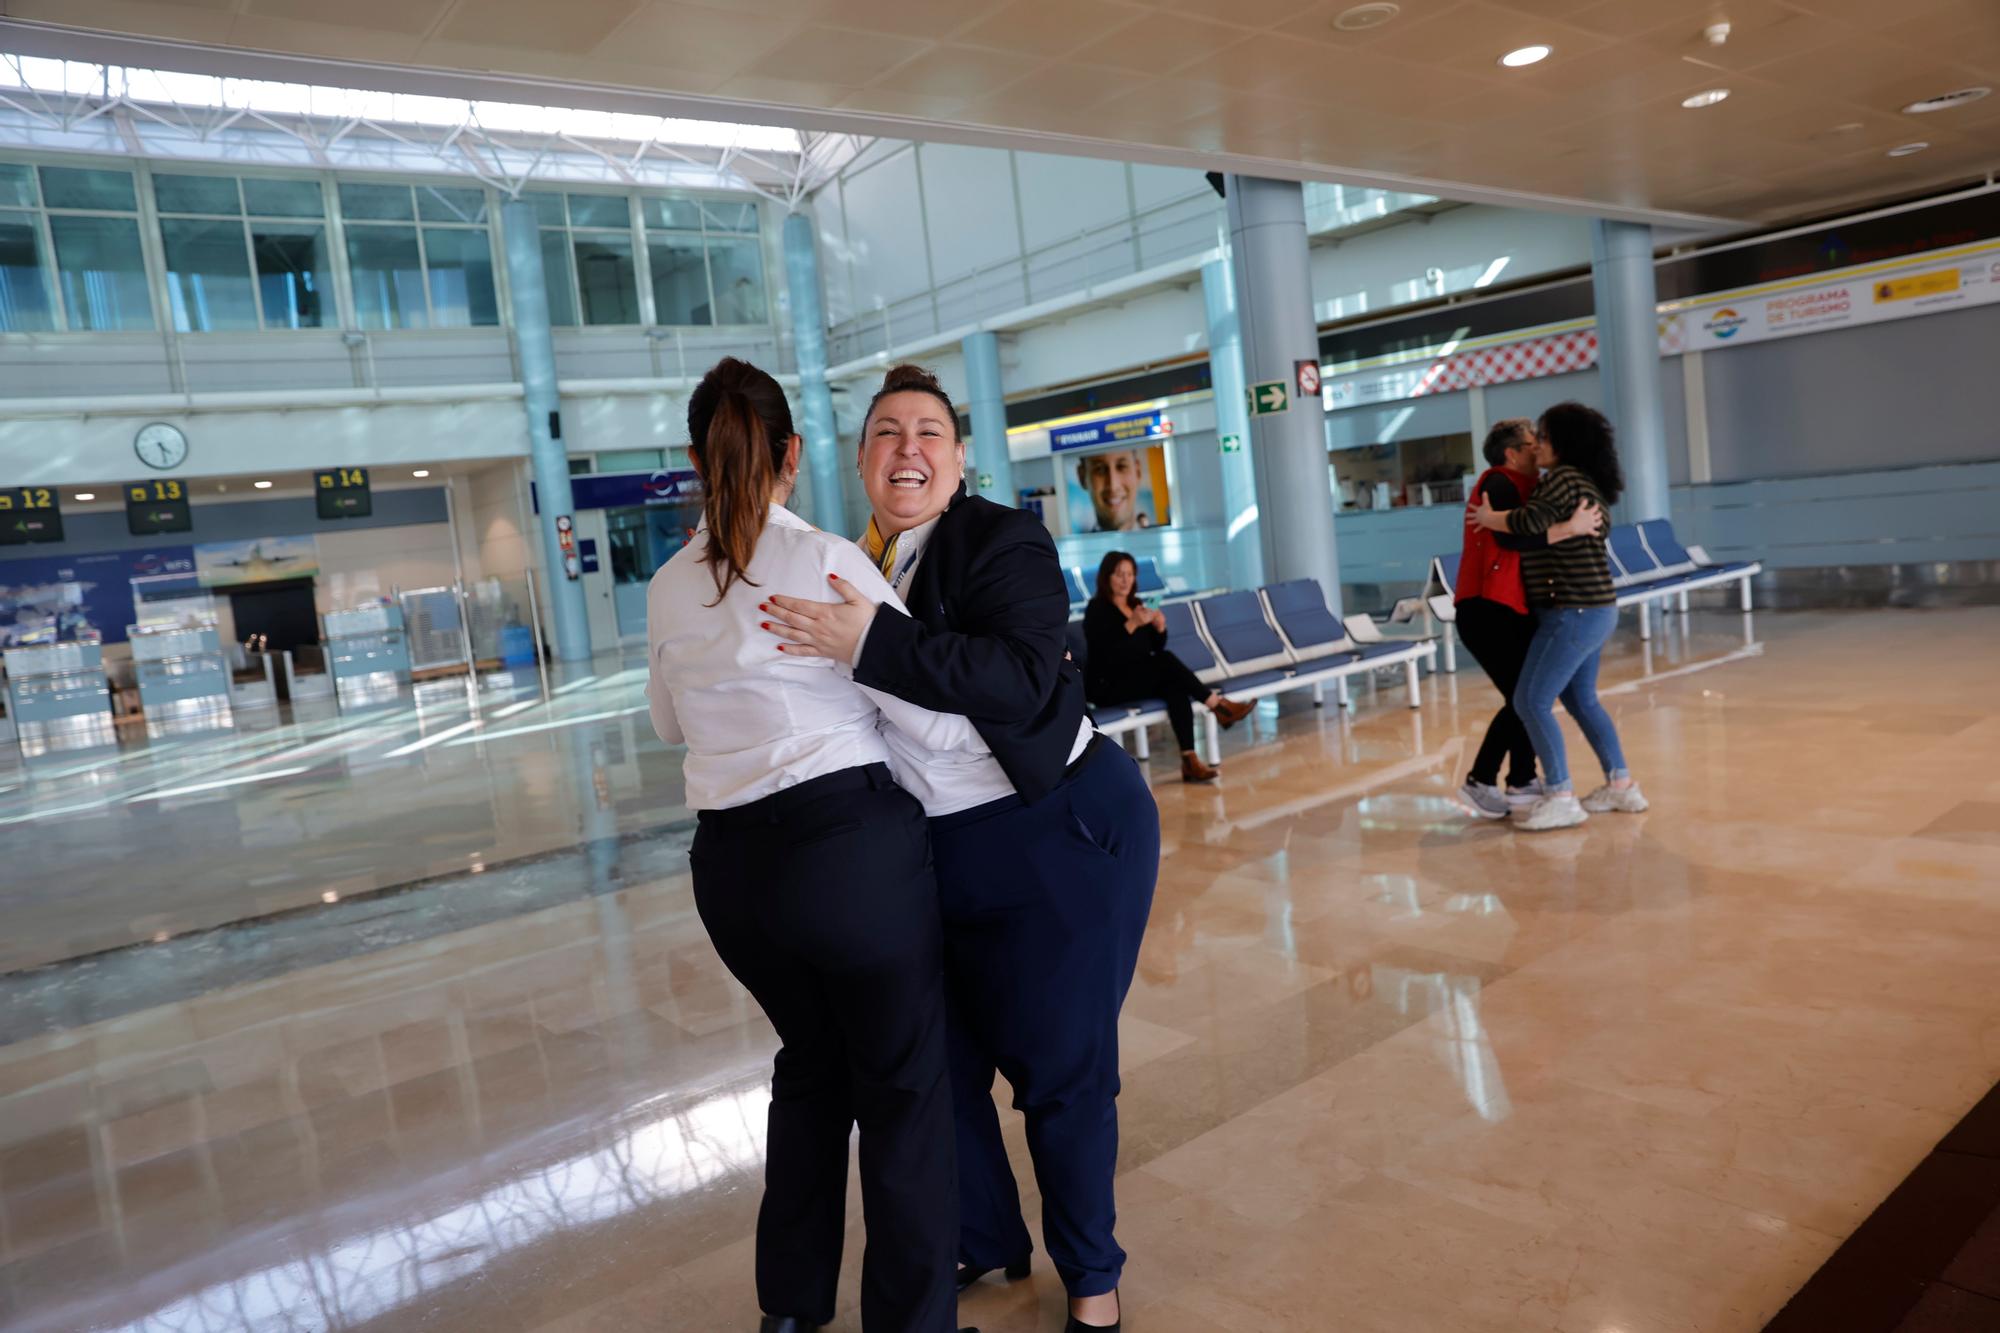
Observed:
{"x":183,"y":675}
{"x":58,"y":696}
{"x":367,"y":654}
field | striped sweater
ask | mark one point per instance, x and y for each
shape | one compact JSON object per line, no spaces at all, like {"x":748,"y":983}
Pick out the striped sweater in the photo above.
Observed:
{"x":1572,"y":573}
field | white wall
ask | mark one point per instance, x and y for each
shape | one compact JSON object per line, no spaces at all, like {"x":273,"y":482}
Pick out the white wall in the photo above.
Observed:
{"x":378,"y":562}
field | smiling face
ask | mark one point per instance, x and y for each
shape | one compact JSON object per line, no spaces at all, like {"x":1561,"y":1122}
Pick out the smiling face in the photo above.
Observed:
{"x":912,"y":462}
{"x":1112,"y":481}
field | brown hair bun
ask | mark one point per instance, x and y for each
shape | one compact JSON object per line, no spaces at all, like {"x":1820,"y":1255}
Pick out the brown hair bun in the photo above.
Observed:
{"x":909,"y":378}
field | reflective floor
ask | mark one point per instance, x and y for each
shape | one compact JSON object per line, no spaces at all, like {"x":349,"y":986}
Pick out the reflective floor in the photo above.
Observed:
{"x":1387,"y":1068}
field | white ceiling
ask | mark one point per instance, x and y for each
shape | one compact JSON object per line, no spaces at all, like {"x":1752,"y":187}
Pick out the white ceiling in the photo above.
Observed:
{"x":1268,"y":86}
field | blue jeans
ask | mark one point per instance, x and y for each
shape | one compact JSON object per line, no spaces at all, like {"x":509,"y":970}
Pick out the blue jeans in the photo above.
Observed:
{"x":1562,"y":663}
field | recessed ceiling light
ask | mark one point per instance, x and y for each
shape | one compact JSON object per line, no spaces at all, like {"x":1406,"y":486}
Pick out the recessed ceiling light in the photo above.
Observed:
{"x":84,"y":497}
{"x":421,"y":472}
{"x":261,"y":485}
{"x":1908,"y":149}
{"x":1527,"y":55}
{"x":1363,"y":17}
{"x":1946,"y":101}
{"x":1708,"y":98}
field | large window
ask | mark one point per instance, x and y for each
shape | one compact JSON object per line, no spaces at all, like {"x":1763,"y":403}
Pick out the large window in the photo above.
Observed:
{"x":587,"y":259}
{"x":244,"y":254}
{"x":707,"y":261}
{"x":703,"y":260}
{"x":420,"y":258}
{"x":69,"y":251}
{"x":27,"y":300}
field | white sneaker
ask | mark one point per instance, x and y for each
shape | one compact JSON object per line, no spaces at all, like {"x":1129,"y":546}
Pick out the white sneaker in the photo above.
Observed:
{"x":1620,"y":800}
{"x":1484,"y":799}
{"x":1562,"y":810}
{"x":1519,"y":797}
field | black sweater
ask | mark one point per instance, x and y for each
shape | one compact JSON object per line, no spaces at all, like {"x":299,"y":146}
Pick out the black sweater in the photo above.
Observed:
{"x":1114,"y":656}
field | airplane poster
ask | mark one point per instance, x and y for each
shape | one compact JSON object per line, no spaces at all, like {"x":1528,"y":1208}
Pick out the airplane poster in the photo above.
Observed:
{"x":260,"y":560}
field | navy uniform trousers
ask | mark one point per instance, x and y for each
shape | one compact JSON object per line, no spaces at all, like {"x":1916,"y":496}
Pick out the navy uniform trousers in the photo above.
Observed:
{"x":1044,"y":907}
{"x":820,"y":900}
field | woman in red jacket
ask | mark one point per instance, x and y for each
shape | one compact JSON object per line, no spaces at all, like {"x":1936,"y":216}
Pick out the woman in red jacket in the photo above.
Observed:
{"x":1493,"y":617}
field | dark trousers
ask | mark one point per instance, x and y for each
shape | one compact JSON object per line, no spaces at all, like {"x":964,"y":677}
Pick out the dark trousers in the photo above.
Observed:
{"x":1167,"y":678}
{"x":1498,"y":637}
{"x":821,"y":901}
{"x":1044,"y":907}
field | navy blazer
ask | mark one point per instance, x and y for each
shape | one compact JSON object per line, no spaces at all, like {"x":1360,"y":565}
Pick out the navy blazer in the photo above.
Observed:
{"x":984,"y":637}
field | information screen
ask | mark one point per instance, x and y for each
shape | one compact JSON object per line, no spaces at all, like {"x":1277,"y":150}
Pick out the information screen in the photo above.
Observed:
{"x":343,"y":493}
{"x":29,"y":514}
{"x":157,"y":506}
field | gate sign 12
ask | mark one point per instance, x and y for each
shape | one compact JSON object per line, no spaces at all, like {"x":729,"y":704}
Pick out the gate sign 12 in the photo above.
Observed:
{"x":157,"y":506}
{"x":343,"y":492}
{"x":29,"y":514}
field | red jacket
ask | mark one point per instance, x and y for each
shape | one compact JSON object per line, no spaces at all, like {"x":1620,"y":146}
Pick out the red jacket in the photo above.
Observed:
{"x":1486,"y":568}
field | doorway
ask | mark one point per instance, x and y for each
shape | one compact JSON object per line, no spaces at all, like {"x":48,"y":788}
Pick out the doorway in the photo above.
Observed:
{"x":283,"y":612}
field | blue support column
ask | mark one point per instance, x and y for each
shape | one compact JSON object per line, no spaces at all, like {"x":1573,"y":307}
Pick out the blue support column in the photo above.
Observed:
{"x":992,"y":467}
{"x":546,"y":455}
{"x":1232,"y":425}
{"x":822,"y":449}
{"x":1628,"y":361}
{"x":1267,"y":239}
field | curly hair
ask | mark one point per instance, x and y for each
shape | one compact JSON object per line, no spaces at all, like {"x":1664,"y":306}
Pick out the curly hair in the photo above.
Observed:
{"x":1582,"y":437}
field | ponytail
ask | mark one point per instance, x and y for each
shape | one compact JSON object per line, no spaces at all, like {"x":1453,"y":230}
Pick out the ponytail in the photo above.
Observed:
{"x":740,"y":426}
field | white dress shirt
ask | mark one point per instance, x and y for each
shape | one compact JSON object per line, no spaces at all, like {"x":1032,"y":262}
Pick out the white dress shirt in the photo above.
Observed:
{"x":756,"y":720}
{"x":964,"y":776}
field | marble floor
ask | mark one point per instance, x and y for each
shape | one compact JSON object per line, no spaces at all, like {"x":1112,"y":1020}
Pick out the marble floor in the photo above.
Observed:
{"x":1387,"y":1067}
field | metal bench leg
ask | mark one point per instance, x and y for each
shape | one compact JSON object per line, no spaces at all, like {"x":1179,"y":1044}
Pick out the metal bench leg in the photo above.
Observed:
{"x":1213,"y":731}
{"x":1341,"y":693}
{"x":1319,"y":694}
{"x":1411,"y":678}
{"x":1684,"y":601}
{"x":1143,"y":741}
{"x":1450,"y":648}
{"x":1645,"y":620}
{"x":1746,"y":592}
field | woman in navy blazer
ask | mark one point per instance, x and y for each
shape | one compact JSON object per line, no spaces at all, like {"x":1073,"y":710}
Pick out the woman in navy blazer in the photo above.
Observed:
{"x":1046,"y":858}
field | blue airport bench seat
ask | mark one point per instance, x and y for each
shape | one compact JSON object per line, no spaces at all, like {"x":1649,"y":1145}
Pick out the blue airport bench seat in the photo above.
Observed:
{"x":1648,"y":565}
{"x":1152,"y":584}
{"x":1251,"y":645}
{"x":1116,"y":720}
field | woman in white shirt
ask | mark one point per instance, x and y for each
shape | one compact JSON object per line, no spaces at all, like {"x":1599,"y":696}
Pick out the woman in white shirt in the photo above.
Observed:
{"x":812,"y":874}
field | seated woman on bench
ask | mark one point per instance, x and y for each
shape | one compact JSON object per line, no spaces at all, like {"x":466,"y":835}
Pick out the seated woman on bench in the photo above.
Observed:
{"x":1128,"y":661}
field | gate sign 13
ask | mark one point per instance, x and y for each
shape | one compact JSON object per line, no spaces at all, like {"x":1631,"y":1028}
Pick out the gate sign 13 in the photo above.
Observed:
{"x":157,"y":506}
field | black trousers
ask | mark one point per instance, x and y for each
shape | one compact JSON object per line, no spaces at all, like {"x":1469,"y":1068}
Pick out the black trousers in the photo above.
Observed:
{"x":1498,"y":637}
{"x":822,"y":902}
{"x":1163,"y":677}
{"x":1044,"y":908}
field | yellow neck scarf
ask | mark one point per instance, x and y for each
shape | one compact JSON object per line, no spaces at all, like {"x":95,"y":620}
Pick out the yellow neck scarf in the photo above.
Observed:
{"x":880,"y":549}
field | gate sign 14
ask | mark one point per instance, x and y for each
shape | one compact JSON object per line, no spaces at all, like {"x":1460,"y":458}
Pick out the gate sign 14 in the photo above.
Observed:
{"x":29,"y":514}
{"x":343,"y":492}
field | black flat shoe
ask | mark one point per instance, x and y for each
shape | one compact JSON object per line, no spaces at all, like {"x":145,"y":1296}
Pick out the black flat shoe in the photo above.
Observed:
{"x":786,"y":1324}
{"x":1014,"y":1271}
{"x":1076,"y":1325}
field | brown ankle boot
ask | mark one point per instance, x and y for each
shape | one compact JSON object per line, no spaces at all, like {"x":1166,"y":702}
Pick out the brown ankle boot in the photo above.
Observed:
{"x":1194,"y":770}
{"x":1229,"y":712}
